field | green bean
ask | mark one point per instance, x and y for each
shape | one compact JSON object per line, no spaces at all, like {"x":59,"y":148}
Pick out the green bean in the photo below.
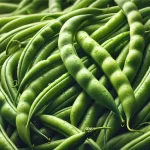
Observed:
{"x":141,"y":91}
{"x":143,"y":68}
{"x":141,"y":4}
{"x":3,"y":57}
{"x":141,"y":142}
{"x":137,"y":42}
{"x":39,"y":69}
{"x":45,"y":34}
{"x":63,"y":114}
{"x":22,"y":36}
{"x":7,"y":37}
{"x":5,"y":142}
{"x":49,"y":93}
{"x":24,"y":21}
{"x":61,"y":126}
{"x":30,"y":94}
{"x":82,"y":4}
{"x":55,"y":6}
{"x":119,"y":141}
{"x":46,"y":51}
{"x":22,"y":4}
{"x":117,"y":78}
{"x":10,"y":129}
{"x":46,"y":146}
{"x":79,"y":72}
{"x":7,"y":109}
{"x":69,"y":94}
{"x":102,"y":118}
{"x":83,"y":101}
{"x":5,"y":20}
{"x":109,"y":27}
{"x":7,"y":7}
{"x":142,"y":116}
{"x":91,"y":116}
{"x":33,"y":7}
{"x":73,"y":141}
{"x":16,"y":139}
{"x":91,"y":146}
{"x":91,"y":28}
{"x":7,"y":72}
{"x":100,"y":4}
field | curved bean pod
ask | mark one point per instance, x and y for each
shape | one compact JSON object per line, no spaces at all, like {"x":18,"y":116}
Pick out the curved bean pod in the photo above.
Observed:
{"x":5,"y":142}
{"x":7,"y":8}
{"x":73,"y":141}
{"x":141,"y":91}
{"x":137,"y":42}
{"x":83,"y":100}
{"x":119,"y":141}
{"x":23,"y":35}
{"x":142,"y":116}
{"x":33,"y":18}
{"x":141,"y":142}
{"x":113,"y":72}
{"x":77,"y":69}
{"x":44,"y":35}
{"x":46,"y":146}
{"x":55,"y":6}
{"x":7,"y":72}
{"x":30,"y":94}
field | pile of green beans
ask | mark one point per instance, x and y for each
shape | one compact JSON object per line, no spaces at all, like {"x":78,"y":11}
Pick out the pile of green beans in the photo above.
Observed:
{"x":74,"y":74}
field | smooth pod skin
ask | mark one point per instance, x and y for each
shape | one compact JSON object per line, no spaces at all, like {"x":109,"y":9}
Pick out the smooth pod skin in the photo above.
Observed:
{"x":83,"y":101}
{"x":112,"y":24}
{"x":34,"y":99}
{"x":46,"y":51}
{"x":55,"y":6}
{"x":5,"y":142}
{"x":44,"y":35}
{"x":23,"y":35}
{"x":143,"y":67}
{"x":7,"y":109}
{"x":142,"y":116}
{"x":7,"y":73}
{"x":141,"y":91}
{"x":28,"y":96}
{"x":91,"y":116}
{"x":137,"y":40}
{"x":100,"y":4}
{"x":39,"y":69}
{"x":77,"y":69}
{"x":112,"y":71}
{"x":7,"y":37}
{"x":73,"y":142}
{"x":5,"y":20}
{"x":82,"y":4}
{"x":64,"y":127}
{"x":64,"y":114}
{"x":22,"y":21}
{"x":7,"y":8}
{"x":141,"y":142}
{"x":69,"y":94}
{"x":33,"y":90}
{"x":119,"y":141}
{"x":46,"y":146}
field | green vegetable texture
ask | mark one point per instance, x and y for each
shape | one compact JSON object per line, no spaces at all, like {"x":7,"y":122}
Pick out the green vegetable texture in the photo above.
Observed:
{"x":74,"y":74}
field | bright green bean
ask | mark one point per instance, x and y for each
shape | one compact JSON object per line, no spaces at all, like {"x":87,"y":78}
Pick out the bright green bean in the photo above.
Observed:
{"x":137,"y":42}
